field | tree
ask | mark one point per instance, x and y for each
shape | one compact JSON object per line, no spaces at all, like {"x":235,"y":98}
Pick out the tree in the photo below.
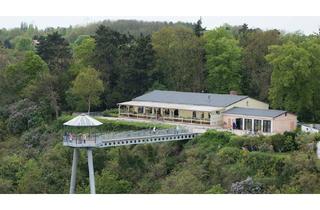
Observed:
{"x":256,"y":72}
{"x":42,"y":91}
{"x":108,"y":182}
{"x":88,"y":87}
{"x":18,"y":76}
{"x":106,"y":60}
{"x":223,"y":57}
{"x":182,"y":182}
{"x":197,"y":29}
{"x":178,"y":59}
{"x":137,"y":63}
{"x":23,"y":43}
{"x":291,"y":81}
{"x":55,"y":51}
{"x":83,"y":51}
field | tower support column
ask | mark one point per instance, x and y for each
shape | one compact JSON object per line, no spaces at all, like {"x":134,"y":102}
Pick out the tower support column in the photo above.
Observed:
{"x":91,"y":171}
{"x":74,"y":171}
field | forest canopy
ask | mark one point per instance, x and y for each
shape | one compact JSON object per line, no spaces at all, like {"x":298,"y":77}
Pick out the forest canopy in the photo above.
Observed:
{"x":45,"y":75}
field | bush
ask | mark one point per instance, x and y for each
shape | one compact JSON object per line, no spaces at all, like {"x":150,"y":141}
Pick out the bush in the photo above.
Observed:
{"x":251,"y":143}
{"x":111,"y":112}
{"x":265,"y":163}
{"x":23,"y":115}
{"x":108,"y":182}
{"x":3,"y":130}
{"x":230,"y":155}
{"x":283,"y":143}
{"x":216,"y":189}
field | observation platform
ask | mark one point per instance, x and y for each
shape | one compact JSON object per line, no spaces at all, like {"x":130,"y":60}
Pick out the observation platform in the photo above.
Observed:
{"x":114,"y":139}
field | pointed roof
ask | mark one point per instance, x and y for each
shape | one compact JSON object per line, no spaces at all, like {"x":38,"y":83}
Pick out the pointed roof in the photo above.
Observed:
{"x":82,"y":121}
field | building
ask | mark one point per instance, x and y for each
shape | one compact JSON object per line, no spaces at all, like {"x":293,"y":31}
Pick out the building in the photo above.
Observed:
{"x":310,"y":128}
{"x":227,"y":111}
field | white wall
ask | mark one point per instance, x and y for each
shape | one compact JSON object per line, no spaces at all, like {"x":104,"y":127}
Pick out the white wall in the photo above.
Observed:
{"x":308,"y":129}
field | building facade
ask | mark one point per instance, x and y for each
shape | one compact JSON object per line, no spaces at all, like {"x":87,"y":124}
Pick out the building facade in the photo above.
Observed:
{"x":213,"y":110}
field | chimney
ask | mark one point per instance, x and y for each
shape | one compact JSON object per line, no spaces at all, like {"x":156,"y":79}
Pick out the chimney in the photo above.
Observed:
{"x":233,"y":92}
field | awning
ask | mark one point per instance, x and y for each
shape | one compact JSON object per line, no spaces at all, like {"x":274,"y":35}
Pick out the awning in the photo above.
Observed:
{"x":83,"y":120}
{"x":171,"y":106}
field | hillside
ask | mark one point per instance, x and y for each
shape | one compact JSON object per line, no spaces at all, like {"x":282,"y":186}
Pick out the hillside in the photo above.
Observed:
{"x":215,"y":162}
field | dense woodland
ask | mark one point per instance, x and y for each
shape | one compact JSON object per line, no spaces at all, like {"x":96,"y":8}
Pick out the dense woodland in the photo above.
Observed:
{"x":46,"y":74}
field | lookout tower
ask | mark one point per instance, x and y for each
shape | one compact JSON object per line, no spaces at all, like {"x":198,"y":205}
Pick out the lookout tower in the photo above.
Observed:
{"x":79,"y":133}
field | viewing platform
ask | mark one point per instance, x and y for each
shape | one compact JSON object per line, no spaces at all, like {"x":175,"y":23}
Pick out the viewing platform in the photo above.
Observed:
{"x":113,"y":139}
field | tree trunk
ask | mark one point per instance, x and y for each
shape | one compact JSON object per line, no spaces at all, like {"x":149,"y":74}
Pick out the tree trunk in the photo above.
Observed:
{"x":89,"y":105}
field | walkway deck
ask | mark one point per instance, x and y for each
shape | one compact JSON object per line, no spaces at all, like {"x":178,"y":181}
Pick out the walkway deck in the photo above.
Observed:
{"x":114,"y":139}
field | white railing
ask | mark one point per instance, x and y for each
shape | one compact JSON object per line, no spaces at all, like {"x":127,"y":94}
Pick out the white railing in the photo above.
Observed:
{"x":167,"y":118}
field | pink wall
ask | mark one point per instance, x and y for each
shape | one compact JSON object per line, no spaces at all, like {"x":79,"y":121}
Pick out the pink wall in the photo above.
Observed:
{"x":284,"y":123}
{"x":279,"y":124}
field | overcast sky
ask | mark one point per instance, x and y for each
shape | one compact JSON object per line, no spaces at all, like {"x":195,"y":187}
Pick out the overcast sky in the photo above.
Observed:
{"x":307,"y":25}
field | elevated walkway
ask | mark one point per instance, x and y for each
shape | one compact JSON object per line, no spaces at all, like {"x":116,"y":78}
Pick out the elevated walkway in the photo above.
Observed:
{"x":128,"y":138}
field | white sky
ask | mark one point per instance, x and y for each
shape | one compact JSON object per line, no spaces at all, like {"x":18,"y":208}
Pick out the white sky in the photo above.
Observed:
{"x":305,"y":24}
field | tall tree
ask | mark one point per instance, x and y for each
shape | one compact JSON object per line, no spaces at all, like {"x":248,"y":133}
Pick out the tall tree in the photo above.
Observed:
{"x":137,"y":63}
{"x":223,"y":56}
{"x":178,"y":59}
{"x":198,"y":29}
{"x":256,"y":72}
{"x":83,"y":51}
{"x":55,"y":51}
{"x":291,"y":83}
{"x":106,"y":54}
{"x":87,"y":86}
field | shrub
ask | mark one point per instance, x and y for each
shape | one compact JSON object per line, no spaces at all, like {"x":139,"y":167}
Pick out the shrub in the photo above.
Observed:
{"x":216,"y":189}
{"x":283,"y":143}
{"x":230,"y":155}
{"x":24,"y":114}
{"x":111,"y":112}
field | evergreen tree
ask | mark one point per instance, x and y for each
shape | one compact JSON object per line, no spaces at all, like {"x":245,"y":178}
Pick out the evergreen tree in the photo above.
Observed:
{"x":198,"y":29}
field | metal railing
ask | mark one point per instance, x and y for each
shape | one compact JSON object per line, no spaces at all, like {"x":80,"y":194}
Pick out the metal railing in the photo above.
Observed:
{"x":84,"y":140}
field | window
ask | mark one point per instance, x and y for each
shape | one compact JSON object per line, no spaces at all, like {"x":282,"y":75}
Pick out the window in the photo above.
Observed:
{"x":166,"y":112}
{"x":202,"y":115}
{"x":238,"y":124}
{"x":266,"y":126}
{"x":148,"y":110}
{"x":257,"y":125}
{"x":176,"y":113}
{"x":194,"y":114}
{"x":248,"y":124}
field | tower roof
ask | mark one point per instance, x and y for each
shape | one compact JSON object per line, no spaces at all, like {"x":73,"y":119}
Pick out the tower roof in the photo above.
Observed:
{"x":83,"y":120}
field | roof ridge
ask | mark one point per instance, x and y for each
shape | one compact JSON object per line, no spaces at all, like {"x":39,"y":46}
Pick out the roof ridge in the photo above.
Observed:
{"x":223,"y":94}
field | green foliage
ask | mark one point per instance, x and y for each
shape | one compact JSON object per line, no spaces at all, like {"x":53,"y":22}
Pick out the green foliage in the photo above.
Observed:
{"x":216,"y":189}
{"x":294,"y":84}
{"x":178,"y":59}
{"x":223,"y":56}
{"x":229,"y":155}
{"x":108,"y":182}
{"x":24,"y":115}
{"x":182,"y":182}
{"x":83,"y":50}
{"x":23,"y":43}
{"x":87,"y":86}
